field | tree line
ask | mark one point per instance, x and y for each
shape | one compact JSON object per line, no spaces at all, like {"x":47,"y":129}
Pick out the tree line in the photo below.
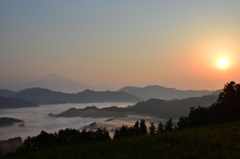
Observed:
{"x":62,"y":137}
{"x":226,"y":109}
{"x":75,"y":136}
{"x":141,"y":129}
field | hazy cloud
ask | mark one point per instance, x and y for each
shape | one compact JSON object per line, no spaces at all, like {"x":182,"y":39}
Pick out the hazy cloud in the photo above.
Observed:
{"x":36,"y":119}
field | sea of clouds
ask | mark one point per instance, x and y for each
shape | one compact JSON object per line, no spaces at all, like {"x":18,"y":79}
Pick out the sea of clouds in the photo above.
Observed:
{"x":36,"y":119}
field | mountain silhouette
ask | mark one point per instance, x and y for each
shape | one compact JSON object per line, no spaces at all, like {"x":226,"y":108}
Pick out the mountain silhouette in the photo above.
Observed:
{"x":6,"y":93}
{"x":12,"y":103}
{"x":155,"y":91}
{"x":46,"y":96}
{"x":5,"y":121}
{"x":170,"y":109}
{"x":93,"y":111}
{"x":55,"y":82}
{"x":152,"y":108}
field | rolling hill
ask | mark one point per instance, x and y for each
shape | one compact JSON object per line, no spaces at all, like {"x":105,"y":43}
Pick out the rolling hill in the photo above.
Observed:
{"x":211,"y":142}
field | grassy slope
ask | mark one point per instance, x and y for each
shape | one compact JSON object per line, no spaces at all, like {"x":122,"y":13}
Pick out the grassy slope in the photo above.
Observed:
{"x":218,"y":141}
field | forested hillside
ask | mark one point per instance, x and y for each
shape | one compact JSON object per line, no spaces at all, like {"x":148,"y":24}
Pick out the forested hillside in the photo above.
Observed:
{"x":212,"y":142}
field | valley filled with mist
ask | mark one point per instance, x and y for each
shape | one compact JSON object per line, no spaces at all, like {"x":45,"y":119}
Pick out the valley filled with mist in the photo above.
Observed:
{"x":49,"y":110}
{"x":36,"y":119}
{"x":27,"y":112}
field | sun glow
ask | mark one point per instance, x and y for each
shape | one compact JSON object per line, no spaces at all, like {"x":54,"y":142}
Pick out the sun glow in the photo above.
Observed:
{"x":223,"y":63}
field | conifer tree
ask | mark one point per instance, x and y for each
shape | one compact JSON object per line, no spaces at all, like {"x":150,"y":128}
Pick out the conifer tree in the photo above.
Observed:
{"x":169,"y":125}
{"x":160,"y":127}
{"x":152,"y":128}
{"x":136,"y":129}
{"x":136,"y":125}
{"x":143,"y":127}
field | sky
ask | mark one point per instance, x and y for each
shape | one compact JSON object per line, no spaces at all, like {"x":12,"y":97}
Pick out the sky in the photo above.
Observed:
{"x":121,"y":43}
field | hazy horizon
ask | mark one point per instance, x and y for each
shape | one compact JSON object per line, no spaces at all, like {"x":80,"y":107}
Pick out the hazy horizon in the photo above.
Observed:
{"x":114,"y":44}
{"x":47,"y":80}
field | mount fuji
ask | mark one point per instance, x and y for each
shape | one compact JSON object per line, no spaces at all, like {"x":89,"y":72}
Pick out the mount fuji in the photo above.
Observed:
{"x":55,"y":82}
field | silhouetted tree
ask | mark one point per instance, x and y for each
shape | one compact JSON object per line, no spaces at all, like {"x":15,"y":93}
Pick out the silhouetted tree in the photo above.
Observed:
{"x":227,"y":97}
{"x":183,"y":122}
{"x":160,"y":127}
{"x":143,"y":127}
{"x":135,"y":130}
{"x":45,"y":140}
{"x":227,"y":108}
{"x":67,"y":136}
{"x":136,"y":125}
{"x":101,"y":134}
{"x":30,"y":143}
{"x":152,"y":128}
{"x":169,"y":125}
{"x":122,"y":132}
{"x":229,"y":101}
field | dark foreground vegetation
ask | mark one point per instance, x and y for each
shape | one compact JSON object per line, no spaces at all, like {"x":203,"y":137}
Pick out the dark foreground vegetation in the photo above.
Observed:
{"x":215,"y":141}
{"x":195,"y":136}
{"x":226,"y":109}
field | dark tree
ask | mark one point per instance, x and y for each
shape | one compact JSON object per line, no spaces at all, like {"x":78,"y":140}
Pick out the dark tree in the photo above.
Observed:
{"x":160,"y":127}
{"x":122,"y":132}
{"x":183,"y":122}
{"x":30,"y":143}
{"x":152,"y":128}
{"x":85,"y":136}
{"x":45,"y":140}
{"x":135,"y":130}
{"x":143,"y":127}
{"x":136,"y":125}
{"x":227,"y":97}
{"x":67,"y":136}
{"x":169,"y":125}
{"x":229,"y":101}
{"x":101,"y":134}
{"x":226,"y":109}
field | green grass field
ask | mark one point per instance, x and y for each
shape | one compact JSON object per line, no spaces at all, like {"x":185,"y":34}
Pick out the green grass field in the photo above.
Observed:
{"x":217,"y":141}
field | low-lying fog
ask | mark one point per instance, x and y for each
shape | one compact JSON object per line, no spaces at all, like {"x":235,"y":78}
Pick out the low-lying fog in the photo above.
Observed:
{"x":36,"y":119}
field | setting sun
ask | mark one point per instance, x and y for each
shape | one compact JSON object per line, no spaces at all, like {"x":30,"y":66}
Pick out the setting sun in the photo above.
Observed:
{"x":222,"y":63}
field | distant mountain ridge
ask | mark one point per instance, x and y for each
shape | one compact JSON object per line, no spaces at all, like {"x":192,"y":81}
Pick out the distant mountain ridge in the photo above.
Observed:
{"x":155,"y":91}
{"x":12,"y":103}
{"x":171,"y":109}
{"x":152,"y":108}
{"x":55,"y":82}
{"x":93,"y":111}
{"x":217,"y":92}
{"x":46,"y":96}
{"x":6,"y":93}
